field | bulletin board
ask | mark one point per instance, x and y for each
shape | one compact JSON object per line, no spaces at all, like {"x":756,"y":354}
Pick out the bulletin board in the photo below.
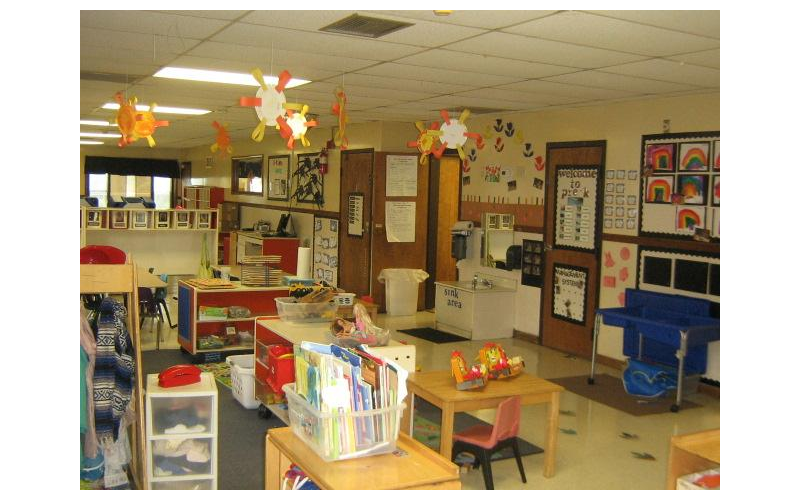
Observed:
{"x":577,"y":202}
{"x":570,"y":285}
{"x":307,"y":180}
{"x":326,"y":250}
{"x":680,"y":184}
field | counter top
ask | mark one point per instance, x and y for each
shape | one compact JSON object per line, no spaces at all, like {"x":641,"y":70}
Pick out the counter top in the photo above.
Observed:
{"x":257,"y":235}
{"x":237,"y":288}
{"x":298,"y":332}
{"x":467,"y":287}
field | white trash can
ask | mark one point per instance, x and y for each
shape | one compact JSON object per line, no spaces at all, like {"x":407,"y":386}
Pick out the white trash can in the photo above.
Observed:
{"x":402,"y":289}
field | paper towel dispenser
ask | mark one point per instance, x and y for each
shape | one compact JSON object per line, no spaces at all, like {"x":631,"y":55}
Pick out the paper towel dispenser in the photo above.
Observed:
{"x":460,"y":232}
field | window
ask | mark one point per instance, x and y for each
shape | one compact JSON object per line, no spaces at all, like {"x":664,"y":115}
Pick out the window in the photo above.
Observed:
{"x":247,"y":174}
{"x":159,"y":189}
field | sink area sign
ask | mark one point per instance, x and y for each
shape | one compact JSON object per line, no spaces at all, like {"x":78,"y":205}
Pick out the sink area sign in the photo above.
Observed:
{"x":569,"y":293}
{"x":576,"y":206}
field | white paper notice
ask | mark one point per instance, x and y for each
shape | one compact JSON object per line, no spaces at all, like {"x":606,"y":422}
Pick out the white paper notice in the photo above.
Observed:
{"x":401,"y":175}
{"x":401,"y":221}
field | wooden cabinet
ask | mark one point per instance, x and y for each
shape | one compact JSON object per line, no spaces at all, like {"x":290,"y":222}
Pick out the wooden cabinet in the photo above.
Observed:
{"x":191,"y":328}
{"x":182,"y":432}
{"x":690,"y":453}
{"x":202,"y":196}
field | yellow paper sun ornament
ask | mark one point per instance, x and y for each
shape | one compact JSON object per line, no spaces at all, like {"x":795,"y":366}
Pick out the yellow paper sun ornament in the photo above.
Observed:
{"x":298,"y":125}
{"x":340,"y":110}
{"x":455,"y":134}
{"x":270,"y":104}
{"x":425,"y":140}
{"x":223,"y":143}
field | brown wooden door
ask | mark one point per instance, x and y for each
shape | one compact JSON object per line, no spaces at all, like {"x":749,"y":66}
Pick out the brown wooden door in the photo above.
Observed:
{"x":573,"y":215}
{"x":444,"y":198}
{"x":354,"y":249}
{"x":412,"y":255}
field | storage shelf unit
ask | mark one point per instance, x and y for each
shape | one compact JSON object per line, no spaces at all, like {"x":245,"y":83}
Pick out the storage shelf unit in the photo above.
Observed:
{"x":202,"y":196}
{"x":194,"y":453}
{"x":259,"y":300}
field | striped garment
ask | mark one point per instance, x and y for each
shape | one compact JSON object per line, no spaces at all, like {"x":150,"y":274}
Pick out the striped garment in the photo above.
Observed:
{"x":113,"y":370}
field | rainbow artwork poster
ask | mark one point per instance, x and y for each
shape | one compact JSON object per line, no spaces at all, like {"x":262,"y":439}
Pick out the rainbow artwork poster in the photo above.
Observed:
{"x":716,"y":156}
{"x":659,"y":189}
{"x":692,"y":188}
{"x":689,"y":218}
{"x":715,"y":190}
{"x":694,"y":156}
{"x":661,"y":157}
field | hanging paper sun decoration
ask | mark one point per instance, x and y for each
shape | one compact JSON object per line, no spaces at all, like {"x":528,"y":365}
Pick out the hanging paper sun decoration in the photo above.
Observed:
{"x":298,"y":126}
{"x":134,"y":125}
{"x":340,"y":109}
{"x":455,"y":134}
{"x":425,"y":140}
{"x":223,"y":143}
{"x":270,"y":104}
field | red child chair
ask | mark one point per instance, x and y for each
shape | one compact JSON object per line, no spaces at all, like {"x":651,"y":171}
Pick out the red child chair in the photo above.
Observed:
{"x":484,"y":440}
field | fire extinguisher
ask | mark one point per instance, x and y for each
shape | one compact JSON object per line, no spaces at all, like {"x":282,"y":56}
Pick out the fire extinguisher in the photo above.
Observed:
{"x":323,"y":161}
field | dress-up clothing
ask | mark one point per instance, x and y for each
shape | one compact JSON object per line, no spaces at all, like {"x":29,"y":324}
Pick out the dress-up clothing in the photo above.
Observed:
{"x":88,"y":354}
{"x":114,"y":369}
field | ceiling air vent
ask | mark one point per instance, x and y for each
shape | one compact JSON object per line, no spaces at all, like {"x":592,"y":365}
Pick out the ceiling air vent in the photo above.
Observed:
{"x":369,"y":27}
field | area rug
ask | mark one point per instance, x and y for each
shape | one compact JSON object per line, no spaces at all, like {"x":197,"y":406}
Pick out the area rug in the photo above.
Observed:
{"x":609,"y":391}
{"x":431,"y":335}
{"x":428,"y":429}
{"x":221,"y":371}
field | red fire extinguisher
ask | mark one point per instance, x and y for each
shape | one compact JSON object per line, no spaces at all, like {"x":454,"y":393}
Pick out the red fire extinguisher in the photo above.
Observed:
{"x":323,"y":161}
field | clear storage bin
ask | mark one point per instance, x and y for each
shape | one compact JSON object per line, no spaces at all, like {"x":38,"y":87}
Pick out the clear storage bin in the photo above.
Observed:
{"x":173,"y":458}
{"x":189,"y":484}
{"x":313,"y":312}
{"x":342,"y":436}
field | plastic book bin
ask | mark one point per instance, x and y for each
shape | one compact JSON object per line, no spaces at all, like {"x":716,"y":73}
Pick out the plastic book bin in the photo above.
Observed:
{"x":243,"y":380}
{"x":340,"y":436}
{"x":312,"y":312}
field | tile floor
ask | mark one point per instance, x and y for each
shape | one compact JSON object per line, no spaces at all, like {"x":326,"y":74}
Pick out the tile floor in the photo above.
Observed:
{"x":595,"y":457}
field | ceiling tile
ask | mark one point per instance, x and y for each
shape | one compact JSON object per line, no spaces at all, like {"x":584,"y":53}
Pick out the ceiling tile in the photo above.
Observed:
{"x":507,"y":95}
{"x":404,"y":83}
{"x":476,"y":18}
{"x":461,"y":61}
{"x":619,"y":82}
{"x":574,"y":93}
{"x":264,"y":57}
{"x":708,"y":58}
{"x":526,"y":48}
{"x":151,"y":23}
{"x":297,"y":70}
{"x":613,"y":34}
{"x":319,"y":43}
{"x":669,"y":71}
{"x":228,"y":15}
{"x":437,"y":75}
{"x":696,"y":22}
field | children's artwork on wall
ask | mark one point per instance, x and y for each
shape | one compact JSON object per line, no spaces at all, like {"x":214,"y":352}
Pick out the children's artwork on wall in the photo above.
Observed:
{"x":694,"y":156}
{"x":326,"y":250}
{"x":661,"y":157}
{"x":539,"y":163}
{"x":716,"y":156}
{"x":527,"y":151}
{"x":278,"y":177}
{"x":538,"y":183}
{"x":491,"y":173}
{"x":689,"y":218}
{"x":308,"y":180}
{"x":715,"y":190}
{"x":659,"y":189}
{"x":692,"y":188}
{"x":498,"y":145}
{"x":465,"y":180}
{"x":569,"y":293}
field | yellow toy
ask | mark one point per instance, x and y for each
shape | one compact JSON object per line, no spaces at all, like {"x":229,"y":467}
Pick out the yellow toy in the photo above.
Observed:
{"x":498,"y":365}
{"x":425,"y":140}
{"x":474,"y":378}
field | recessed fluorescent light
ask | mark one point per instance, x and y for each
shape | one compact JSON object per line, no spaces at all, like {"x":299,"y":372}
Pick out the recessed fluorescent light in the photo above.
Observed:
{"x":98,"y":123}
{"x":204,"y":75}
{"x":161,"y":109}
{"x":99,"y":134}
{"x":92,"y":142}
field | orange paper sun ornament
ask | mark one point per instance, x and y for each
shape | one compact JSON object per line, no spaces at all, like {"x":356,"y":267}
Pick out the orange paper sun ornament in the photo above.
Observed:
{"x":126,"y":119}
{"x":146,"y":125}
{"x":425,"y":140}
{"x":270,"y":104}
{"x":223,"y":143}
{"x":340,"y":109}
{"x":455,"y":134}
{"x":298,"y":125}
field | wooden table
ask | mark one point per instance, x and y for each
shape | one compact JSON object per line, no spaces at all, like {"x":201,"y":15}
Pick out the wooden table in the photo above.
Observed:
{"x":439,"y":388}
{"x":418,"y":468}
{"x":147,"y":280}
{"x":690,"y":453}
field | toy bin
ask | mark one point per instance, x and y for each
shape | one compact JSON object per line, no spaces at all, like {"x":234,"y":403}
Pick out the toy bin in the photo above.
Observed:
{"x":345,"y":299}
{"x":312,"y":312}
{"x":280,"y":367}
{"x":340,"y":436}
{"x":243,"y":380}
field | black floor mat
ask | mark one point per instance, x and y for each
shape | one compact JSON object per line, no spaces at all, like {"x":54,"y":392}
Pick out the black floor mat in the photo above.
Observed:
{"x":431,"y":335}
